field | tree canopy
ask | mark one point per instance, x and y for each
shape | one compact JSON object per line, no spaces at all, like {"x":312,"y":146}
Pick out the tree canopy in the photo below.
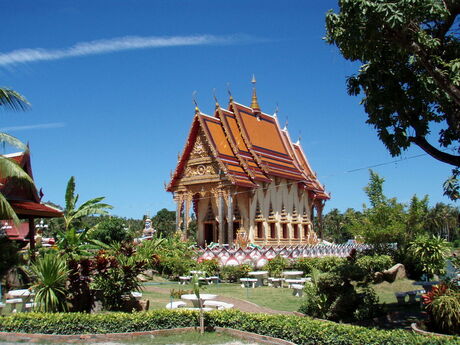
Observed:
{"x":409,"y":52}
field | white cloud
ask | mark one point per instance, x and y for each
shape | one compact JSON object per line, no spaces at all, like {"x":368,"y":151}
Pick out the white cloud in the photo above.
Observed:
{"x":114,"y":45}
{"x":37,"y":126}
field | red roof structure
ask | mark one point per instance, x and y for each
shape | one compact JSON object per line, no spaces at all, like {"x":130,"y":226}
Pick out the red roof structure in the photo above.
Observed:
{"x":24,"y":200}
{"x":250,"y":147}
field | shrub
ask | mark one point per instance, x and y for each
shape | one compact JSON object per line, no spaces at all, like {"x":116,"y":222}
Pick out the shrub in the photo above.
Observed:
{"x":234,"y":273}
{"x":373,"y":264}
{"x":300,"y":330}
{"x":50,"y":274}
{"x":329,"y":263}
{"x":211,"y":267}
{"x":117,"y":275}
{"x":431,"y":254}
{"x":179,"y":292}
{"x":443,"y":306}
{"x":306,"y":265}
{"x":276,"y":266}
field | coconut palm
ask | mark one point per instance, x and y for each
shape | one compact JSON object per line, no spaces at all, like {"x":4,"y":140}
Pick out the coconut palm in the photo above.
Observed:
{"x":10,"y":99}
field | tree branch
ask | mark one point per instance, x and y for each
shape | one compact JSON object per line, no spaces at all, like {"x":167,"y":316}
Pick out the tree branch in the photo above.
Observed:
{"x":434,"y":152}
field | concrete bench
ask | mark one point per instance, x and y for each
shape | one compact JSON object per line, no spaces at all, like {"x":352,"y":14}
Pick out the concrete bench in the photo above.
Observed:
{"x":29,"y":306}
{"x":175,"y":305}
{"x":13,"y":302}
{"x":248,"y":282}
{"x":291,"y":282}
{"x":275,"y":282}
{"x":218,"y":305}
{"x":213,"y":280}
{"x":297,"y":290}
{"x":401,"y":296}
{"x":184,"y":280}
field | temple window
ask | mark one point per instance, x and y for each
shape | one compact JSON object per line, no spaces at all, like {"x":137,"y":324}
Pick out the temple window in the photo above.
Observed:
{"x":260,"y":230}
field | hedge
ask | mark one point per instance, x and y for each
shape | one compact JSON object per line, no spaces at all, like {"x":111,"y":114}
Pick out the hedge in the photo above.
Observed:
{"x":300,"y":330}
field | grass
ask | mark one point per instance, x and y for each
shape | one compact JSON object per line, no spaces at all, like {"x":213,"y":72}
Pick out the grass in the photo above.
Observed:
{"x":276,"y":299}
{"x":185,"y":338}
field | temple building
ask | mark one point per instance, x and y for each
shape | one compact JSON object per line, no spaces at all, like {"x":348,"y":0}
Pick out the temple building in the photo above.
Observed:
{"x":241,"y":173}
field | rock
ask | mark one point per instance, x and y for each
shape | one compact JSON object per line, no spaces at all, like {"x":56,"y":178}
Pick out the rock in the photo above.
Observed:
{"x":142,"y":278}
{"x":378,"y":277}
{"x":148,"y":273}
{"x":396,"y":272}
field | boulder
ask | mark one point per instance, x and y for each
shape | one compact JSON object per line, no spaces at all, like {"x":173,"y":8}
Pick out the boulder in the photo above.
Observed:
{"x":396,"y":272}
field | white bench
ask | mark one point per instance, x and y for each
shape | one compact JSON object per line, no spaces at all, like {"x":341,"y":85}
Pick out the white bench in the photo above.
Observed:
{"x":29,"y":306}
{"x":218,"y":305}
{"x":297,"y":289}
{"x":175,"y":305}
{"x":248,"y":282}
{"x":13,"y":302}
{"x":184,"y":280}
{"x":136,"y":295}
{"x":275,"y":282}
{"x":213,"y":280}
{"x":291,"y":282}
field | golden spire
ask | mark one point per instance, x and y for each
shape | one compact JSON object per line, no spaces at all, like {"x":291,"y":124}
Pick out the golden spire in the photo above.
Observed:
{"x":254,"y":104}
{"x":197,"y":110}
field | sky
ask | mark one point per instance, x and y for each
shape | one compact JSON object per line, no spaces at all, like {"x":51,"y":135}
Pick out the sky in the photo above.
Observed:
{"x":111,"y":86}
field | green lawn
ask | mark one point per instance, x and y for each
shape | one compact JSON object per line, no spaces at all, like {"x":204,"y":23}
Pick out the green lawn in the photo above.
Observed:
{"x":277,"y":299}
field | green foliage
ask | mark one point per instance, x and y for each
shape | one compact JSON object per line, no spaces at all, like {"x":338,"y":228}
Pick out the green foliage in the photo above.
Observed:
{"x":112,"y":229}
{"x":276,"y":266}
{"x":431,"y":254}
{"x":164,"y":222}
{"x":50,"y":273}
{"x":8,"y":255}
{"x":234,"y":273}
{"x":329,"y":263}
{"x":74,"y":214}
{"x":409,"y":72}
{"x":211,"y":267}
{"x":116,"y":275}
{"x":175,"y":257}
{"x":373,"y":264}
{"x":300,"y":330}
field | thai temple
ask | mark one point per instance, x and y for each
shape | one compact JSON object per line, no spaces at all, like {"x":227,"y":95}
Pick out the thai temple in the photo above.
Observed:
{"x":245,"y":180}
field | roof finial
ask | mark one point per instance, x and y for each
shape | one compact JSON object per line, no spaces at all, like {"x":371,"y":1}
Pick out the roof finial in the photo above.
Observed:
{"x":287,"y":122}
{"x":254,"y":104}
{"x":277,"y":109}
{"x":215,"y":98}
{"x":229,"y":93}
{"x":197,"y":110}
{"x":300,"y":138}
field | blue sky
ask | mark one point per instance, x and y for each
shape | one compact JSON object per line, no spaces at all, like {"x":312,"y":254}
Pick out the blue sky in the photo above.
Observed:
{"x":111,"y":88}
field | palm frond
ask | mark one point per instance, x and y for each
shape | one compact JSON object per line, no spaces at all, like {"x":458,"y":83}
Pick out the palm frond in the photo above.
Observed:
{"x":6,"y":211}
{"x":10,"y":168}
{"x":12,"y":100}
{"x":13,"y":141}
{"x":69,"y":195}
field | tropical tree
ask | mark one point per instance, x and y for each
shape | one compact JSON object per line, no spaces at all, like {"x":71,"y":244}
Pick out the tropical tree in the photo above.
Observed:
{"x":431,"y":253}
{"x":442,"y":220}
{"x":164,"y":222}
{"x":410,"y":72}
{"x":72,"y":240}
{"x":11,"y":100}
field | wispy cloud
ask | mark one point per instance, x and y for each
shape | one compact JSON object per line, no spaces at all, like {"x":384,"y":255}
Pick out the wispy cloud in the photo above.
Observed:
{"x":37,"y":126}
{"x":115,"y":45}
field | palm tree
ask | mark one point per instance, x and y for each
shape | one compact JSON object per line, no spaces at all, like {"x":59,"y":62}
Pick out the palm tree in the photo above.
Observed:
{"x":10,"y":99}
{"x":70,"y":241}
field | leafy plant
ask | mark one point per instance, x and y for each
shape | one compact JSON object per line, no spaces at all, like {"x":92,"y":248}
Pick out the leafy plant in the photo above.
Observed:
{"x":50,"y":274}
{"x":234,"y":273}
{"x":276,"y":266}
{"x":211,"y":267}
{"x":431,"y":253}
{"x":443,"y":307}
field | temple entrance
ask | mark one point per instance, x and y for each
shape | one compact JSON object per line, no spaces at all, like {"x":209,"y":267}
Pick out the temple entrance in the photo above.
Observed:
{"x":208,"y":233}
{"x":236,"y":226}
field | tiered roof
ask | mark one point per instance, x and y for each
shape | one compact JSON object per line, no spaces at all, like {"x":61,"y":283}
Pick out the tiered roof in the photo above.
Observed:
{"x":23,"y":198}
{"x":250,"y":147}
